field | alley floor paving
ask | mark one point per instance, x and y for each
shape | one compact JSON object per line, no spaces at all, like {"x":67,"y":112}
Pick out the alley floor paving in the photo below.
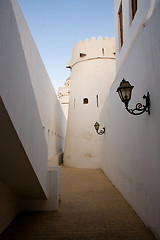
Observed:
{"x":91,"y":208}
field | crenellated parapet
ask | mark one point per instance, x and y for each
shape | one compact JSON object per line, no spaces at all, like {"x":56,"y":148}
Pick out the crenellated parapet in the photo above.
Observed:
{"x":65,"y":90}
{"x":102,"y":48}
{"x":92,"y":74}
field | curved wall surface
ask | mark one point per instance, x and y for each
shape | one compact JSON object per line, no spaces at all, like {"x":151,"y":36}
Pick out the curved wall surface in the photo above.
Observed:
{"x":92,"y":73}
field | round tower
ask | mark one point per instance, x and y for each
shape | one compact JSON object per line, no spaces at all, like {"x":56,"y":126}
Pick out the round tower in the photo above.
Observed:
{"x":92,"y":73}
{"x":63,"y":95}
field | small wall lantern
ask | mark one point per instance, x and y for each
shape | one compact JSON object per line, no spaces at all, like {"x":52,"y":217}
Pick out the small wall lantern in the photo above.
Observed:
{"x":101,"y":132}
{"x":125,"y":92}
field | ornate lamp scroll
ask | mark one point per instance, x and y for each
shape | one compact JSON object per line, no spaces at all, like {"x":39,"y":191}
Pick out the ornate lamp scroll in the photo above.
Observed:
{"x":125,"y":92}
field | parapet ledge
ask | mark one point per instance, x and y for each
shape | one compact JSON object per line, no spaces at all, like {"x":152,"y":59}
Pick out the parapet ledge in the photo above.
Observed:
{"x":93,"y":39}
{"x":99,"y":38}
{"x":83,"y":49}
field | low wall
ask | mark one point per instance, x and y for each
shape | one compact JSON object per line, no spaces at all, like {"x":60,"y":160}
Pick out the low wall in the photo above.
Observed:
{"x":54,"y":197}
{"x":56,"y":160}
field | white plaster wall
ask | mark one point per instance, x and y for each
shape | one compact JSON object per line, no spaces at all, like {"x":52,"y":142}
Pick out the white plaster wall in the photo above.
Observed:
{"x":131,"y":28}
{"x":63,"y":95}
{"x":131,"y":145}
{"x":17,"y":93}
{"x":51,"y":114}
{"x":64,"y":101}
{"x":23,"y":111}
{"x":52,"y":203}
{"x":90,"y":77}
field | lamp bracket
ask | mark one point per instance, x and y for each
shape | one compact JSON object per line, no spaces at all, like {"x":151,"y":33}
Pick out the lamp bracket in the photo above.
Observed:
{"x":101,"y":132}
{"x":139,"y":109}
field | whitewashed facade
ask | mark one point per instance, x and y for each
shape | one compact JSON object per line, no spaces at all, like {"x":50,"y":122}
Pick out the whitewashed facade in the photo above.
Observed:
{"x":130,"y":148}
{"x":92,"y":73}
{"x":63,"y":95}
{"x":32,"y":122}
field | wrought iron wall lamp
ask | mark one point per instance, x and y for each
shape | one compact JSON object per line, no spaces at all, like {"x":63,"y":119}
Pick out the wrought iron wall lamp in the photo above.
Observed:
{"x":125,"y":91}
{"x":101,"y":132}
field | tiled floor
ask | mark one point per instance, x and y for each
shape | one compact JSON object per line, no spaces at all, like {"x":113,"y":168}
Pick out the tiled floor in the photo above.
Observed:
{"x":91,"y":208}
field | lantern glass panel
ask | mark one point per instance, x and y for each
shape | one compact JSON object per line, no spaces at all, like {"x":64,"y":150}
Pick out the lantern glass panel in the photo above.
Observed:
{"x":125,"y":91}
{"x":96,"y":125}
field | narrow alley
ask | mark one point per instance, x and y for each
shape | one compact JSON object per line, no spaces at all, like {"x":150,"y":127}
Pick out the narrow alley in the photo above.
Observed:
{"x":91,"y":208}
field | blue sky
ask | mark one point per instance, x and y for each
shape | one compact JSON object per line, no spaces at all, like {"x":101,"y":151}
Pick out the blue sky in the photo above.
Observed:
{"x":57,"y":25}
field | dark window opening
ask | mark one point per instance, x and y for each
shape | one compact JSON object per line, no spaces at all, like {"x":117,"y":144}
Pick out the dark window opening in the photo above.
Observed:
{"x":134,"y":7}
{"x":74,"y":103}
{"x":82,"y":54}
{"x":121,"y":25}
{"x":85,"y":100}
{"x":97,"y":100}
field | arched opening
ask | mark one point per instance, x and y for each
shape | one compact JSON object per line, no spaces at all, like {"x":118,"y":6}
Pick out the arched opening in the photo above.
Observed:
{"x":85,"y":100}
